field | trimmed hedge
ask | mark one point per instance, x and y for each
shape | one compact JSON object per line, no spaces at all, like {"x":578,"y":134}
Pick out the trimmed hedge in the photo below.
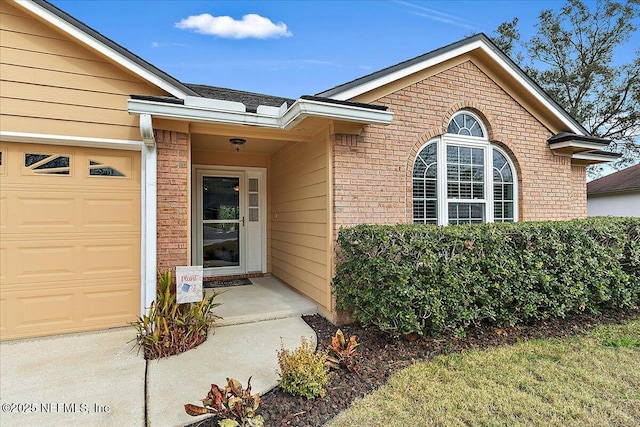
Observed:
{"x":429,"y":279}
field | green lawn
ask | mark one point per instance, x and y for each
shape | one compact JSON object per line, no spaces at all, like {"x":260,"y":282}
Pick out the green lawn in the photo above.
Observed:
{"x":590,"y":380}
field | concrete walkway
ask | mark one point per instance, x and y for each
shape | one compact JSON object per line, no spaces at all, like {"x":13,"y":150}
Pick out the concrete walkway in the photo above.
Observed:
{"x":98,"y":378}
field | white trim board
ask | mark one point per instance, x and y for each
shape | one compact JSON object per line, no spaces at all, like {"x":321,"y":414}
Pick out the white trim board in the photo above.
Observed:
{"x":245,"y":173}
{"x":480,"y":44}
{"x":70,"y":140}
{"x":286,"y":120}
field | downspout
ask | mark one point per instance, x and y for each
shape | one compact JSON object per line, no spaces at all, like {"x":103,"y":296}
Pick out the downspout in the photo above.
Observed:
{"x":148,"y":248}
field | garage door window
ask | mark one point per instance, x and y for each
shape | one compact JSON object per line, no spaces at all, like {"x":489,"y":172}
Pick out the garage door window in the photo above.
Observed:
{"x":47,"y":164}
{"x":100,"y":169}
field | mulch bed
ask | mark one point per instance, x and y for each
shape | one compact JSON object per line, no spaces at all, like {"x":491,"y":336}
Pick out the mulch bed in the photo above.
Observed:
{"x":380,"y":356}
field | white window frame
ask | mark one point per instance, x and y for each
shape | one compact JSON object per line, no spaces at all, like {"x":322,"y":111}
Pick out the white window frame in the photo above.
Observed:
{"x":471,"y":142}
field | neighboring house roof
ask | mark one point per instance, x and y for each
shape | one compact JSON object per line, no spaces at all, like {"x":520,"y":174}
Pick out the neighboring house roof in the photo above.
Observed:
{"x":625,"y":180}
{"x":387,"y":75}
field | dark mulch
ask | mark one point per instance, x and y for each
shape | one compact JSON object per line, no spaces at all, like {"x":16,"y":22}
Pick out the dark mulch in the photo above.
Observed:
{"x":380,"y":356}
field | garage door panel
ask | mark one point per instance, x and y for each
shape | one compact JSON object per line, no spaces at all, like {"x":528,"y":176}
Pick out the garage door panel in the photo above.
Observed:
{"x":111,"y":257}
{"x":70,"y":244}
{"x":46,"y":310}
{"x":4,"y":212}
{"x":111,"y":210}
{"x":39,"y":210}
{"x":50,"y":261}
{"x":4,"y":264}
{"x":4,"y":315}
{"x":110,"y":303}
{"x":70,"y":309}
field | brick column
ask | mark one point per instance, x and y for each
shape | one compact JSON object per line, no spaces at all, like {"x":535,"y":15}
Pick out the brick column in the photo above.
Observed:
{"x":173,"y":207}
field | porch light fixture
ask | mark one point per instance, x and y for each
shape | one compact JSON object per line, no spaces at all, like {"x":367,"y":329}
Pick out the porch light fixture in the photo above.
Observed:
{"x":237,"y":142}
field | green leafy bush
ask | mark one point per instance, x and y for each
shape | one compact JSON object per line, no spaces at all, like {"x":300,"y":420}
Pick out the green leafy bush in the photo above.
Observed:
{"x":426,"y":279}
{"x":232,"y":404}
{"x":170,"y":328}
{"x":303,"y":371}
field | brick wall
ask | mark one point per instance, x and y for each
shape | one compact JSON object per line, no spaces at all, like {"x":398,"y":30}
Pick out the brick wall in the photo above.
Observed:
{"x":173,"y":207}
{"x":372,"y":172}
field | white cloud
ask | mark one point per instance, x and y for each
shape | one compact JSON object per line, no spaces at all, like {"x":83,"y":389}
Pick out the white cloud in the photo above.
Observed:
{"x":251,"y":26}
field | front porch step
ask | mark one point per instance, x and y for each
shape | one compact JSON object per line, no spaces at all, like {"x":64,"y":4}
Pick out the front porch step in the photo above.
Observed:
{"x":266,"y":299}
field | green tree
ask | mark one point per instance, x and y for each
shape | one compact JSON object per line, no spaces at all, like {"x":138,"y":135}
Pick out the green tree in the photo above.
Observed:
{"x":572,"y":57}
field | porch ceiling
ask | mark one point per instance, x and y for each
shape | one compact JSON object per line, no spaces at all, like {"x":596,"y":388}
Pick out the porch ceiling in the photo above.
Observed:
{"x":215,"y":137}
{"x":208,"y":142}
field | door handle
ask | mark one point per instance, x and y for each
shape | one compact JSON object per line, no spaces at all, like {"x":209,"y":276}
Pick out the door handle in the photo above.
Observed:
{"x":243,"y":221}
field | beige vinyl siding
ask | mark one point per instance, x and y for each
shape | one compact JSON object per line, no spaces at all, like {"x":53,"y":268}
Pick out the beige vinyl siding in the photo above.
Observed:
{"x":300,"y":218}
{"x":50,"y":84}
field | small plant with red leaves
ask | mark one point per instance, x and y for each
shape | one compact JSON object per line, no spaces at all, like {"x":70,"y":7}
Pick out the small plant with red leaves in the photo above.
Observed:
{"x":341,"y":353}
{"x":232,"y":404}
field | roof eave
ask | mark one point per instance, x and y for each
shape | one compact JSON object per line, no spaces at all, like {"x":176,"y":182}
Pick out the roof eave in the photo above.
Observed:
{"x":570,"y":144}
{"x":105,"y":46}
{"x":593,"y":157}
{"x":285,"y":119}
{"x":479,"y":41}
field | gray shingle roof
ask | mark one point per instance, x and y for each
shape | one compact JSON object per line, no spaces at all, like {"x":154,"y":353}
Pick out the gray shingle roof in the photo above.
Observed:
{"x":249,"y":99}
{"x":625,"y":180}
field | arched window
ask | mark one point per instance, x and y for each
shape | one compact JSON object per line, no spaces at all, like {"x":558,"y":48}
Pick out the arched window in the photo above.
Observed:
{"x":460,"y":178}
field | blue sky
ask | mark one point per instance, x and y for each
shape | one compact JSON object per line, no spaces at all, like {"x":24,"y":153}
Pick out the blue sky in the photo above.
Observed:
{"x":293,"y":48}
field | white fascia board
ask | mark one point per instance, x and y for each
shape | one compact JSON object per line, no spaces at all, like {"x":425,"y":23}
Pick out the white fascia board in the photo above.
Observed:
{"x":404,"y":72}
{"x":532,"y":90}
{"x":593,"y":156}
{"x":199,"y":114}
{"x":578,"y":144}
{"x":301,"y":109}
{"x":83,"y":37}
{"x":304,"y":108}
{"x":75,"y":141}
{"x":214,"y":104}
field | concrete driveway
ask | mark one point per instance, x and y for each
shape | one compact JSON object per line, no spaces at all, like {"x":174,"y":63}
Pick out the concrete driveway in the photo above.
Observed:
{"x":100,"y":379}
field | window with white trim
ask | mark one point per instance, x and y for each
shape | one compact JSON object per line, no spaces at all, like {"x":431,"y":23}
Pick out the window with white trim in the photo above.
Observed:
{"x":460,"y":178}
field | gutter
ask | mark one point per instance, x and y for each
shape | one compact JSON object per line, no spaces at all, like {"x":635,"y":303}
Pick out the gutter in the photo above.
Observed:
{"x":233,"y":113}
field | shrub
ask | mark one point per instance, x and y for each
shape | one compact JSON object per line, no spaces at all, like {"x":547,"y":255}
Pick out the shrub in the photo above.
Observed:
{"x":233,"y":405}
{"x":424,"y":278}
{"x":342,"y":353}
{"x":303,"y":371}
{"x":170,"y":328}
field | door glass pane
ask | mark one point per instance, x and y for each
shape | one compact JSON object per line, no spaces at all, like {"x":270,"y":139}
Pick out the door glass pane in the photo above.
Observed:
{"x":220,"y":198}
{"x":220,"y":245}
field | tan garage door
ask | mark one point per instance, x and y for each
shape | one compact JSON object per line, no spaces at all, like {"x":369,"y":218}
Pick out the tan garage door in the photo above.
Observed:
{"x":70,"y":239}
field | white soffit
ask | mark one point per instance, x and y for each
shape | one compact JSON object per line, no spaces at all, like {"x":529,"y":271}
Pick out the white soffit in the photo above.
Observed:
{"x":596,"y":157}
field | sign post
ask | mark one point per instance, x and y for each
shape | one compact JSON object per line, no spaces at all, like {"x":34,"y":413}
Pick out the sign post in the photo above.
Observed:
{"x":189,"y":284}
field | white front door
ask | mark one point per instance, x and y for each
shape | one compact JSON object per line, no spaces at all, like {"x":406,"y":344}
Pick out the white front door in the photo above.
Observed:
{"x":229,"y":221}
